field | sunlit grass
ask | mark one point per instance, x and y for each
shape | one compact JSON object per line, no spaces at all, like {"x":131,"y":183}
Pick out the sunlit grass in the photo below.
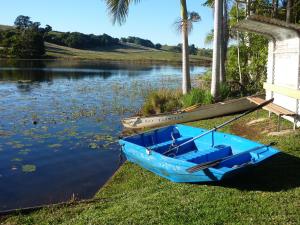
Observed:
{"x":62,"y":52}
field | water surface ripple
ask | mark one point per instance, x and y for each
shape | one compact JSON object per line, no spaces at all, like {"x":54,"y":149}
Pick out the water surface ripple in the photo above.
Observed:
{"x":59,"y":123}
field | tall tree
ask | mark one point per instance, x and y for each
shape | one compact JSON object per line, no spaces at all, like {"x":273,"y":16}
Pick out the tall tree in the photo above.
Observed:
{"x":223,"y":41}
{"x":186,"y":80}
{"x":28,"y":44}
{"x":23,"y":22}
{"x":119,"y":10}
{"x":289,"y":7}
{"x":224,"y":36}
{"x":216,"y":49}
{"x":275,"y":8}
{"x":185,"y":26}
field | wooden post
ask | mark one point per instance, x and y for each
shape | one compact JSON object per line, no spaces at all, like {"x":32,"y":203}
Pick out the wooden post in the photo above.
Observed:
{"x":278,"y":127}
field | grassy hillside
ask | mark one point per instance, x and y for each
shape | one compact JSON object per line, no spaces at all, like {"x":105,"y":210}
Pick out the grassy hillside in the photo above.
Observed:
{"x":123,"y":52}
{"x":268,"y":194}
{"x":120,"y":52}
{"x":5,"y":27}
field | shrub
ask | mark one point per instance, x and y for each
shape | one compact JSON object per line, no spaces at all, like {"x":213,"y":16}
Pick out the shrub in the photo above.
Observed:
{"x":225,"y":91}
{"x":164,"y":100}
{"x":28,"y":44}
{"x":196,"y":96}
{"x":160,"y":101}
{"x":204,"y":80}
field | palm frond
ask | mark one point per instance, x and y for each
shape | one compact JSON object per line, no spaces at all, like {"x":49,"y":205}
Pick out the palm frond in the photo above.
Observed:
{"x":118,"y":9}
{"x":209,"y":38}
{"x":193,"y":17}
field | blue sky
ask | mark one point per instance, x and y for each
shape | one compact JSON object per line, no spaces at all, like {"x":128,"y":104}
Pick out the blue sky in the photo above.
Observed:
{"x":150,"y":19}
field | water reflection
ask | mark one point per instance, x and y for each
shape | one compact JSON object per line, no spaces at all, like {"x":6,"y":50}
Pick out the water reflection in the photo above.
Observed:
{"x":59,"y":123}
{"x":45,"y":71}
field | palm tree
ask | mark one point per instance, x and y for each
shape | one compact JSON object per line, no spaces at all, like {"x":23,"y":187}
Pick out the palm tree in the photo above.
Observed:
{"x":186,"y":80}
{"x":185,"y":26}
{"x":119,"y":11}
{"x":215,"y":79}
{"x":220,"y":43}
{"x":289,"y":7}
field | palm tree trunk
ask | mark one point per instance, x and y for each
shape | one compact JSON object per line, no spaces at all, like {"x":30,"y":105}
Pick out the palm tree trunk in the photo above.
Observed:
{"x":248,"y":8}
{"x":289,"y":11}
{"x":216,"y":51}
{"x":226,"y":31}
{"x":238,"y":46}
{"x":186,"y":80}
{"x":275,"y":8}
{"x":223,"y":44}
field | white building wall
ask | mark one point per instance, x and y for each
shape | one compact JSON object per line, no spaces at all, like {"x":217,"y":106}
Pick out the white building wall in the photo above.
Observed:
{"x":283,"y":70}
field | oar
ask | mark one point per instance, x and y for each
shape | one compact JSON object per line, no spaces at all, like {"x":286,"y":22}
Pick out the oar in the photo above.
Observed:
{"x":216,"y":162}
{"x":224,"y":124}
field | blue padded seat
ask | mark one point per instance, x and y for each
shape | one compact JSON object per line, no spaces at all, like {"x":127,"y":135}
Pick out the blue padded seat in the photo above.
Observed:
{"x":168,"y":143}
{"x":206,"y":155}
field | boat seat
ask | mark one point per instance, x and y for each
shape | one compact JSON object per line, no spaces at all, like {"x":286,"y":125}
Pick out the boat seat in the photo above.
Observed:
{"x":277,"y":109}
{"x":164,"y":145}
{"x":206,"y":155}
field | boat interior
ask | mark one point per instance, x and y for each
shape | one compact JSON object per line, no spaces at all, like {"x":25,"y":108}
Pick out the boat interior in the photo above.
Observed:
{"x":210,"y":147}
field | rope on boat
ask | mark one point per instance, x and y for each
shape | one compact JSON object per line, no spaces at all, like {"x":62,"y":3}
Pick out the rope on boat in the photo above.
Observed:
{"x":222,"y":125}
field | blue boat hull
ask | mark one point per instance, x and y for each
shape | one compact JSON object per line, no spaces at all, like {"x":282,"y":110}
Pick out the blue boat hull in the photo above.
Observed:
{"x":148,"y":150}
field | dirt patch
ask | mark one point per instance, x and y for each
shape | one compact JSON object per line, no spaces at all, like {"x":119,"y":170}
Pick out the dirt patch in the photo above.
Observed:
{"x":256,"y":121}
{"x":281,"y":133}
{"x":246,"y":131}
{"x":253,"y":131}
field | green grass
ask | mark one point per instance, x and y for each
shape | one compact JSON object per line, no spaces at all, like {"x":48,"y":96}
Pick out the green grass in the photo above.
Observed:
{"x":197,"y":96}
{"x":161,"y":101}
{"x":167,"y":100}
{"x":268,"y":194}
{"x":120,"y":53}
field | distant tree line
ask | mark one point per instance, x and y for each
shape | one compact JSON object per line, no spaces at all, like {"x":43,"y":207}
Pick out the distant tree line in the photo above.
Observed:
{"x":208,"y":52}
{"x":26,"y":40}
{"x":140,"y":41}
{"x":192,"y":50}
{"x":178,"y":48}
{"x":80,"y":40}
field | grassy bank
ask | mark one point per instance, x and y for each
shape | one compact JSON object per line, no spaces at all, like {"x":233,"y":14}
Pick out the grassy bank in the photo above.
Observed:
{"x":133,"y":53}
{"x":268,"y":194}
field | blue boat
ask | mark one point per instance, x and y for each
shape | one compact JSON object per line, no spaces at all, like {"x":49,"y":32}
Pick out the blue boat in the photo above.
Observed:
{"x":187,"y":154}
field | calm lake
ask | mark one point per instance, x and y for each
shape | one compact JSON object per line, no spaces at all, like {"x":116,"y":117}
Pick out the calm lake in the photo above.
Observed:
{"x":59,"y":126}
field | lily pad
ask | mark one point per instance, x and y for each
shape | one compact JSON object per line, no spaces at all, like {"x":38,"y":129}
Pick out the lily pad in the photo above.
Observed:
{"x":100,"y":137}
{"x":55,"y":146}
{"x":73,"y":133}
{"x":17,"y":160}
{"x":93,"y":145}
{"x":28,"y":168}
{"x":24,"y":151}
{"x":45,"y":128}
{"x":17,"y":145}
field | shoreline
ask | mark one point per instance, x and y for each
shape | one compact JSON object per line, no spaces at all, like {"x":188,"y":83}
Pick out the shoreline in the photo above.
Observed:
{"x":204,"y":63}
{"x":32,"y":209}
{"x":133,"y":194}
